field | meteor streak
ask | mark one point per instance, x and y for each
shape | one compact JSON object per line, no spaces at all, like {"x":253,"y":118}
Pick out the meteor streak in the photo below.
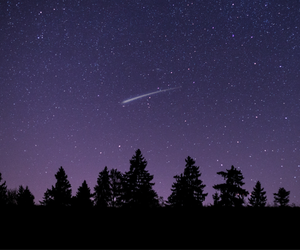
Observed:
{"x":152,"y":93}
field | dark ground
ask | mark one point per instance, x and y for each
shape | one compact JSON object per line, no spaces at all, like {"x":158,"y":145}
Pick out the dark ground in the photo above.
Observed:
{"x":207,"y":227}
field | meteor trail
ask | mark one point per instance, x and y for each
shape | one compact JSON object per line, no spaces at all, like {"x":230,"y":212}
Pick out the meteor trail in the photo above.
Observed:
{"x":152,"y":93}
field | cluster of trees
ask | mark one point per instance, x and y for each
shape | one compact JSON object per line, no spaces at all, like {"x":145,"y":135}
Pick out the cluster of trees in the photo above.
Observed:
{"x":134,"y":189}
{"x":113,"y":189}
{"x":21,"y":197}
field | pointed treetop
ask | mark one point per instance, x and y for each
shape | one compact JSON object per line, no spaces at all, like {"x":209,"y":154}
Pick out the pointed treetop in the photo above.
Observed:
{"x":61,"y":194}
{"x":25,"y":197}
{"x":138,"y":161}
{"x":257,"y":197}
{"x":83,"y":196}
{"x":190,"y":168}
{"x":137,"y":185}
{"x":189,"y":161}
{"x":61,"y":173}
{"x":102,"y":189}
{"x":187,"y":190}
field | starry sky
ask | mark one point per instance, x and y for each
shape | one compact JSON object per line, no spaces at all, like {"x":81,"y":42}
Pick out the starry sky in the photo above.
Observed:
{"x":232,"y":68}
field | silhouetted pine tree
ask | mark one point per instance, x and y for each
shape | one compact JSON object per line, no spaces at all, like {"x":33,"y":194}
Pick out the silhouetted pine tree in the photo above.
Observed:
{"x":83,"y":196}
{"x":231,"y":192}
{"x":195,"y":186}
{"x":102,"y":189}
{"x":137,"y":186}
{"x":3,"y":192}
{"x":258,"y":198}
{"x":115,"y":177}
{"x":12,"y":195}
{"x":282,"y":197}
{"x":61,"y":194}
{"x":187,"y":191}
{"x":179,"y":190}
{"x":25,"y":198}
{"x":47,"y":199}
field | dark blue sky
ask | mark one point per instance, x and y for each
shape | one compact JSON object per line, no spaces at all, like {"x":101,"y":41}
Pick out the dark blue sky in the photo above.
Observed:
{"x":67,"y":66}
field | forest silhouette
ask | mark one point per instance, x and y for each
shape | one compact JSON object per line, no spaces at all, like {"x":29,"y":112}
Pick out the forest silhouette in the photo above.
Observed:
{"x":123,"y":210}
{"x":134,"y":189}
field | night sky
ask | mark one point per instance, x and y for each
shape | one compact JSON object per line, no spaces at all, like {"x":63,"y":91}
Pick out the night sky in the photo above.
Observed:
{"x":232,"y":68}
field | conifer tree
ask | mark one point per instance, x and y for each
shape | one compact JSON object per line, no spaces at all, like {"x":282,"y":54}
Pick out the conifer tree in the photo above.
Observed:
{"x":47,"y":199}
{"x":179,"y":190}
{"x":61,"y":194}
{"x":3,"y":193}
{"x":195,"y":186}
{"x":187,"y":191}
{"x":258,"y":198}
{"x":83,"y":196}
{"x":231,"y":192}
{"x":12,"y":195}
{"x":102,"y":190}
{"x":137,"y":186}
{"x":115,"y":177}
{"x":282,"y":197}
{"x":25,"y":198}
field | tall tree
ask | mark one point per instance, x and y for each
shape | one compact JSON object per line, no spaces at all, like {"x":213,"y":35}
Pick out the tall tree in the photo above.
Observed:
{"x":195,"y":186}
{"x":231,"y":192}
{"x":3,"y":192}
{"x":47,"y":199}
{"x":187,"y":191}
{"x":179,"y":190}
{"x":25,"y":198}
{"x":61,"y":194}
{"x":12,"y":195}
{"x":282,"y":197}
{"x":258,"y":197}
{"x":137,"y":186}
{"x":115,"y":177}
{"x":102,"y":189}
{"x":83,"y":196}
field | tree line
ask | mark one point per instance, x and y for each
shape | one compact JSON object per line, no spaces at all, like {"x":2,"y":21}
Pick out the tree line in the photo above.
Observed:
{"x":134,"y":189}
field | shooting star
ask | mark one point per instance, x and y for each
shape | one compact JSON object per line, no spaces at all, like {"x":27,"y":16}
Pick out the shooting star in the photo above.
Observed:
{"x":152,"y":93}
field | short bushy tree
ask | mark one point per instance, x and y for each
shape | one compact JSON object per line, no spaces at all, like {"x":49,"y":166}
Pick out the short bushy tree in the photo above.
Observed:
{"x":282,"y":197}
{"x":231,"y":192}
